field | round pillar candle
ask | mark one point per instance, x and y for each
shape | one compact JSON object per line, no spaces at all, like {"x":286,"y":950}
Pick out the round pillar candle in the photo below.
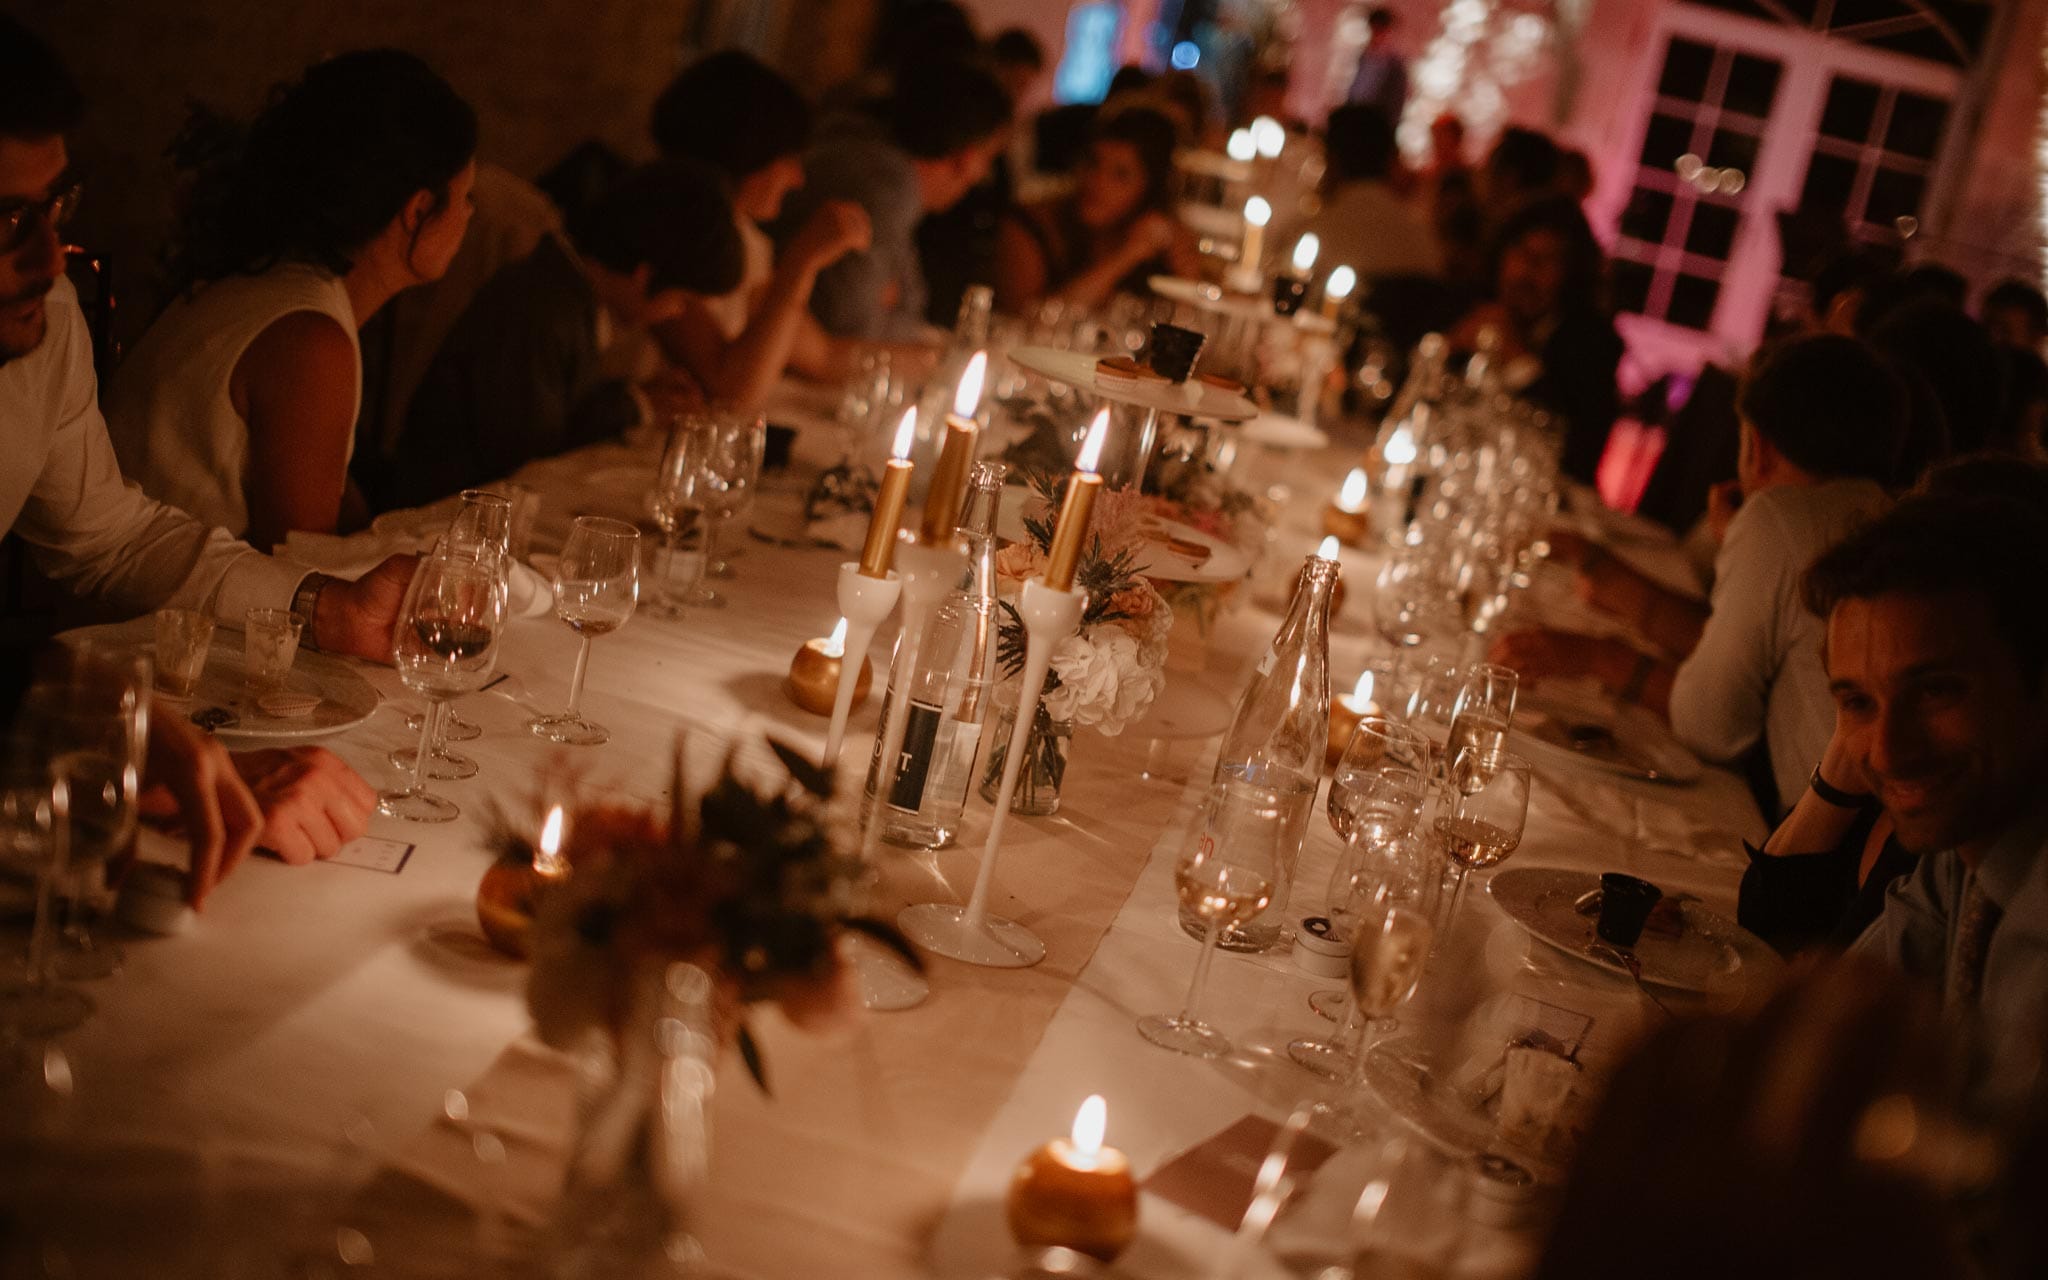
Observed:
{"x":813,"y":682}
{"x":1346,"y":710}
{"x":1346,"y":518}
{"x":1075,"y":1193}
{"x":507,"y":897}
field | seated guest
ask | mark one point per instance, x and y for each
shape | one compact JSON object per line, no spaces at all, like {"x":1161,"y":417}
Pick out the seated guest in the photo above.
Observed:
{"x":1545,"y":277}
{"x":1111,"y":231}
{"x":521,"y":375}
{"x":1821,"y":425}
{"x":932,"y":141}
{"x":1937,"y":655}
{"x":240,"y":403}
{"x":1060,"y":134}
{"x":742,"y":120}
{"x":62,"y":496}
{"x":1946,"y":355}
{"x":1364,"y":223}
{"x":2015,"y":314}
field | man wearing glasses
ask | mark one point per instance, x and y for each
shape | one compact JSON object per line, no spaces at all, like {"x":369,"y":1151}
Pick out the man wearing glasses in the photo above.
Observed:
{"x":61,"y":494}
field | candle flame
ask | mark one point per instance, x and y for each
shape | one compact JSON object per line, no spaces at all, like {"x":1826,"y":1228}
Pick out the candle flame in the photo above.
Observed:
{"x":1268,"y":136}
{"x":835,"y":644}
{"x":1257,"y":211}
{"x":1091,"y":1122}
{"x":1361,"y":693}
{"x":1328,"y":551}
{"x":1400,"y":450}
{"x":969,"y":397}
{"x":551,"y":833}
{"x":1090,"y":459}
{"x":1342,"y":281}
{"x":1241,"y":147}
{"x":906,"y":431}
{"x":1305,"y":251}
{"x":1352,"y":496}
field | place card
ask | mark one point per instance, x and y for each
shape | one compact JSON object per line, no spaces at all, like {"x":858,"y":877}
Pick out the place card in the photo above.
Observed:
{"x":374,"y":853}
{"x":1214,"y":1178}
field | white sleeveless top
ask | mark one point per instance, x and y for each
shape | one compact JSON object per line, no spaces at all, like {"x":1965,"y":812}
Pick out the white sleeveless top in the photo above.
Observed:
{"x":174,"y":426}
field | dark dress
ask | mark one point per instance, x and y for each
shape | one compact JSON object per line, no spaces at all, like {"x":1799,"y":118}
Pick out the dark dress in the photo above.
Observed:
{"x":1807,"y":900}
{"x":519,"y":377}
{"x":1577,"y":383}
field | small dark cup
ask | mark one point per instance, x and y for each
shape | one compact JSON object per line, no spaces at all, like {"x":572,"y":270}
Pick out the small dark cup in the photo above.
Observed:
{"x":1174,"y":350}
{"x":1288,"y":294}
{"x":1625,"y":904}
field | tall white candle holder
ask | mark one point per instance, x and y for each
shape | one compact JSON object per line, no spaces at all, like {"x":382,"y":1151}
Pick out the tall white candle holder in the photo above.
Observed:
{"x":970,"y":933}
{"x":865,"y":603}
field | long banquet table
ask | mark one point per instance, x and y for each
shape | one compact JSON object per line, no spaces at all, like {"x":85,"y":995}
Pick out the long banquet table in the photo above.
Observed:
{"x":288,"y":1063}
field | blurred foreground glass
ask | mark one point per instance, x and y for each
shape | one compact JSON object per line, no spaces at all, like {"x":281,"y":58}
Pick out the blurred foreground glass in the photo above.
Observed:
{"x":270,"y":643}
{"x":32,"y":1002}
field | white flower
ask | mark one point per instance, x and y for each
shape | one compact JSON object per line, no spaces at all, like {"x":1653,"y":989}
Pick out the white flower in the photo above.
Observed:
{"x":1105,"y":679}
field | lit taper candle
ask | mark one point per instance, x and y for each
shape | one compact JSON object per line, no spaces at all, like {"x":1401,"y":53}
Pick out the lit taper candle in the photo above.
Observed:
{"x":1339,"y":286}
{"x":1072,"y":528}
{"x":1258,"y":211}
{"x":1241,"y":148}
{"x":1305,"y":251}
{"x":956,"y":457}
{"x":880,"y":547}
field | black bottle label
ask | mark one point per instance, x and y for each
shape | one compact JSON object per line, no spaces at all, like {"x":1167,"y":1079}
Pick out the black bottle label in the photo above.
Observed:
{"x":914,"y":765}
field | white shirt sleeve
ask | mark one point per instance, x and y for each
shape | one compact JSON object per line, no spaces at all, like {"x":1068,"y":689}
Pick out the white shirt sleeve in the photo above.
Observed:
{"x":1718,"y":697}
{"x":101,"y":537}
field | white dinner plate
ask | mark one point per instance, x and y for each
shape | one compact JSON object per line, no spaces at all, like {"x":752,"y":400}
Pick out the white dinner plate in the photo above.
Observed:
{"x":1557,"y":726}
{"x":1156,"y":559}
{"x":1279,"y":431}
{"x":346,"y":699}
{"x":1194,"y":398}
{"x":1713,"y":953}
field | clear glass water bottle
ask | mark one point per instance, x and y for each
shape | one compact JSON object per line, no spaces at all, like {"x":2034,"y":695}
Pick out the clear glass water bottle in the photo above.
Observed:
{"x":1278,"y":737}
{"x":949,"y":689}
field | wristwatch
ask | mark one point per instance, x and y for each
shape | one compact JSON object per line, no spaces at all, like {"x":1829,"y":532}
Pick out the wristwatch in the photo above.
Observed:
{"x":1835,"y":796}
{"x":305,"y":601}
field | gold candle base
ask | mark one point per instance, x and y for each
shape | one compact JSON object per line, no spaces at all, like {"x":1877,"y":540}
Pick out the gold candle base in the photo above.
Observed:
{"x":1352,"y":528}
{"x":1054,"y":1202}
{"x":813,"y":681}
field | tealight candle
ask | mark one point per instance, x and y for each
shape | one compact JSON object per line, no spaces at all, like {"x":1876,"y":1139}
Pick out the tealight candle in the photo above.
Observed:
{"x":507,"y":896}
{"x":1075,"y":1193}
{"x":1067,"y":535}
{"x":880,"y":547}
{"x":1346,"y":519}
{"x":1346,"y":710}
{"x":956,"y":456}
{"x":548,"y":862}
{"x":1337,"y":288}
{"x":813,"y":681}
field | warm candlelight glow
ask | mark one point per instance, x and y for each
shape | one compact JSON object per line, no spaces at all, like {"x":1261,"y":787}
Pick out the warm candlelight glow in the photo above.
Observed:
{"x":906,"y":432}
{"x":547,"y":859}
{"x":1361,"y":693}
{"x":1063,"y":558}
{"x":1258,"y":211}
{"x":1090,"y":1123}
{"x":835,"y":644}
{"x":880,"y":548}
{"x":1328,"y":550}
{"x":1305,"y":251}
{"x":1090,"y":458}
{"x":1269,"y":136}
{"x":1352,"y":496}
{"x":967,"y":400}
{"x":1400,"y":450}
{"x":1241,"y":148}
{"x":1342,"y":281}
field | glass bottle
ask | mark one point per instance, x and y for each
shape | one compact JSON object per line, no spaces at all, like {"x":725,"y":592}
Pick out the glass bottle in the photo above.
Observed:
{"x":1277,"y":740}
{"x":949,"y":688}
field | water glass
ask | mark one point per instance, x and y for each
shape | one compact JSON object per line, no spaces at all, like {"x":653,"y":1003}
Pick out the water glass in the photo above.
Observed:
{"x":1382,"y":899}
{"x":676,"y":504}
{"x":597,"y":583}
{"x":270,"y":643}
{"x":445,"y":644}
{"x":183,"y":637}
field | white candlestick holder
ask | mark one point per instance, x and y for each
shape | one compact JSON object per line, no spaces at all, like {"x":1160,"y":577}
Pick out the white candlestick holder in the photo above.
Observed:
{"x":865,"y":603}
{"x":970,"y":933}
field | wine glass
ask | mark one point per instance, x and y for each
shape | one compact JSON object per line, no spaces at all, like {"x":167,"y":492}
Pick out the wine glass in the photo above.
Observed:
{"x":446,"y":644}
{"x":33,"y":844}
{"x":1484,"y":709}
{"x":483,"y":520}
{"x":1383,"y":776}
{"x":1409,"y":600}
{"x":677,"y":507}
{"x":1386,"y":871}
{"x":732,"y":470}
{"x":1481,"y":809}
{"x":1225,"y":877}
{"x":597,"y":582}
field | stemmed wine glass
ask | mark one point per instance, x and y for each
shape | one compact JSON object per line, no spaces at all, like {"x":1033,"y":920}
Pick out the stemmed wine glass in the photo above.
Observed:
{"x":732,"y":468}
{"x":33,"y":842}
{"x":1383,"y":776}
{"x":446,"y":644}
{"x":1484,"y":709}
{"x":677,"y":507}
{"x":597,"y":582}
{"x":1225,"y":877}
{"x":1409,"y":601}
{"x":1481,"y":809}
{"x":483,"y":520}
{"x":1383,"y":896}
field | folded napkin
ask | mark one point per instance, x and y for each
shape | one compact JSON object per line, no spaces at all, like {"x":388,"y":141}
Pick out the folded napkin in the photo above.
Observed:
{"x":529,"y":595}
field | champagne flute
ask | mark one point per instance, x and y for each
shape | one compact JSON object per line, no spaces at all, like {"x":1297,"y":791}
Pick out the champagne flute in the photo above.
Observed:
{"x":1480,"y":717}
{"x":446,"y":644}
{"x":484,"y":519}
{"x":1481,"y":810}
{"x":677,"y":507}
{"x":1386,"y":869}
{"x":597,"y":582}
{"x":1225,"y":877}
{"x":33,"y":844}
{"x":1383,"y":776}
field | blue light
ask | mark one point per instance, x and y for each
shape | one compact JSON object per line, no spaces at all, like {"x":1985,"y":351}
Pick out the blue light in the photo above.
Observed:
{"x":1184,"y":56}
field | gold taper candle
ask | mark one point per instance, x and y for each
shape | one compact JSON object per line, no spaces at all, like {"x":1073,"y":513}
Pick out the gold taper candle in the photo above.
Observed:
{"x":880,"y":547}
{"x":948,"y":490}
{"x":1067,"y":535}
{"x":1258,"y":211}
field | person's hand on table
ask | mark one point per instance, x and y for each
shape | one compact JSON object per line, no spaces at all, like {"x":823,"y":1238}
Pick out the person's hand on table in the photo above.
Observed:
{"x":189,"y":774}
{"x":1723,"y":501}
{"x":357,"y":618}
{"x":312,"y":802}
{"x":672,"y":392}
{"x":1613,"y":588}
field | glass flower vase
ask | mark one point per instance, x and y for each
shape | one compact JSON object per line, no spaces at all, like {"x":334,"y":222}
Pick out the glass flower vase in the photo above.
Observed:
{"x":1045,"y":763}
{"x":643,"y":1141}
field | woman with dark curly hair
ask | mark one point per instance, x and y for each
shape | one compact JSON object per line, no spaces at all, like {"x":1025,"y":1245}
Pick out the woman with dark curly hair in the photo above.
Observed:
{"x":1113,"y":229}
{"x":240,"y":403}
